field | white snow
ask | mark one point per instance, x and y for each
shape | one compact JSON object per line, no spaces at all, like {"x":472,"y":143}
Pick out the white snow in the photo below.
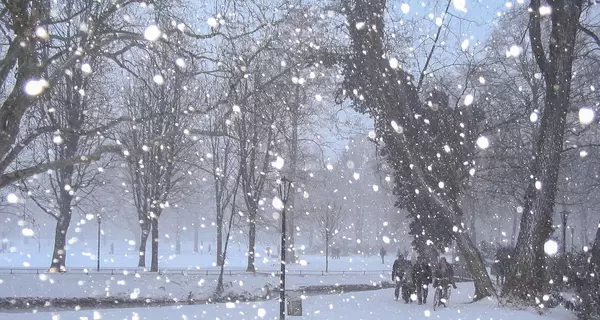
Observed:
{"x":378,"y":304}
{"x":405,"y":8}
{"x":586,"y":115}
{"x":483,"y":142}
{"x":545,"y":10}
{"x":152,"y":33}
{"x":177,"y":283}
{"x":551,"y":247}
{"x":278,"y":163}
{"x":35,"y":87}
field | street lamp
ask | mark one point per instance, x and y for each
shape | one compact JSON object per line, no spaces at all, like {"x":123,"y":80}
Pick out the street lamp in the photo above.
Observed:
{"x":565,"y":216}
{"x":284,"y":191}
{"x":99,"y":231}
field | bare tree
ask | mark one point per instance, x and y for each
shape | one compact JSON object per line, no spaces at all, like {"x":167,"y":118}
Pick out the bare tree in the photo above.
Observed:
{"x":154,"y":148}
{"x":38,"y":52}
{"x":328,"y":218}
{"x":72,"y":108}
{"x":222,"y":167}
{"x":526,"y":280}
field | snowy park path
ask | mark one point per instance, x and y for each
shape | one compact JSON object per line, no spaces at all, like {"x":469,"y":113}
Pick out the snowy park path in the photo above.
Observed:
{"x":370,"y":305}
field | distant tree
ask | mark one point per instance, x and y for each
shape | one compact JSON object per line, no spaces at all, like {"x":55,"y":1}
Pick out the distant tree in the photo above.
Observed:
{"x":155,"y":149}
{"x":329,"y":218}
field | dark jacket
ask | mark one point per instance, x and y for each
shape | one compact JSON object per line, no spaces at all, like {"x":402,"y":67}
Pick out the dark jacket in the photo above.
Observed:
{"x":399,"y":268}
{"x":422,"y":273}
{"x":444,"y":272}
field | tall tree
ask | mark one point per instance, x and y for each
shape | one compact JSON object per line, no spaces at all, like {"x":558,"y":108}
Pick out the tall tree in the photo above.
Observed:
{"x":380,"y":88}
{"x":154,"y":148}
{"x":555,"y":60}
{"x":72,"y":110}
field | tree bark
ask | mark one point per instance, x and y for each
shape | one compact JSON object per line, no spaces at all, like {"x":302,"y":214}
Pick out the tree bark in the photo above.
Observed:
{"x":584,"y":227}
{"x":527,"y":277}
{"x":595,"y":259}
{"x":154,"y":260}
{"x":59,"y":254}
{"x":143,"y":240}
{"x":219,"y":236}
{"x":251,"y":242}
{"x":515,"y":226}
{"x":475,"y":265}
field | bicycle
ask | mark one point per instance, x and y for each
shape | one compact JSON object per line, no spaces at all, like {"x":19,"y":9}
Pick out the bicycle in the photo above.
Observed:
{"x":438,"y":296}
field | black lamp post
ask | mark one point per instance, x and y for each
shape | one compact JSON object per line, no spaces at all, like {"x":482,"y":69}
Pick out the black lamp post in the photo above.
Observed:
{"x":99,"y":231}
{"x":284,"y":192}
{"x":565,"y":216}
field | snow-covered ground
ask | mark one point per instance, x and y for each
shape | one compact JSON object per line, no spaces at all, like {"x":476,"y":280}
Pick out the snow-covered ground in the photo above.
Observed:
{"x":121,"y":279}
{"x":151,"y":285}
{"x":377,"y":304}
{"x":80,"y":256}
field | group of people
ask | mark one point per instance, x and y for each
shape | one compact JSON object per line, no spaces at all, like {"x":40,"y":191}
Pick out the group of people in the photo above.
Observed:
{"x":336,"y":253}
{"x":415,"y":279}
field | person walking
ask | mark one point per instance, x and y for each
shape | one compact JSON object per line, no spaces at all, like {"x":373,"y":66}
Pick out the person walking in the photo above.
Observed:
{"x":422,"y":276}
{"x":398,"y":271}
{"x":382,"y":253}
{"x":408,"y":283}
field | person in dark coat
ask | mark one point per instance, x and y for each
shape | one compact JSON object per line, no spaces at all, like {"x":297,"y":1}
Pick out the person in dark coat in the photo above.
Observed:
{"x":408,"y":283}
{"x":422,"y":277}
{"x":398,"y":272}
{"x":382,"y":253}
{"x":444,"y":276}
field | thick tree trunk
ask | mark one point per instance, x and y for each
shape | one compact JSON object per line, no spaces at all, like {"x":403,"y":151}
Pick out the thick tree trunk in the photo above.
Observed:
{"x":527,"y":277}
{"x":145,"y":228}
{"x":588,"y":286}
{"x":251,"y":242}
{"x":154,"y":260}
{"x":584,"y":227}
{"x":59,"y":254}
{"x":595,"y":260}
{"x":219,"y":236}
{"x":514,"y":235}
{"x":472,"y":230}
{"x":483,"y":284}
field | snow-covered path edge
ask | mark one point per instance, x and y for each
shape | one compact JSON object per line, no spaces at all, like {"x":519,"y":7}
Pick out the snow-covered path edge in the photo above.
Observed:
{"x":267,"y":292}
